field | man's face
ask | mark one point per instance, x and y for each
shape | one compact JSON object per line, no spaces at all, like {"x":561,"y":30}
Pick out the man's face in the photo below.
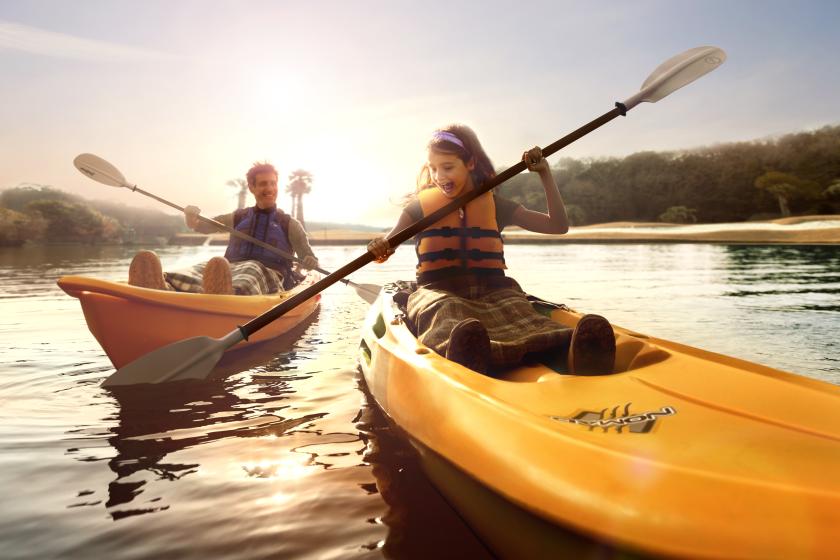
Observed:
{"x":265,"y":190}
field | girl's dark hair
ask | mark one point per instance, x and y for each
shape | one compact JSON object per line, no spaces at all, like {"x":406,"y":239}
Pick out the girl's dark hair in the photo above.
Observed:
{"x":471,"y":150}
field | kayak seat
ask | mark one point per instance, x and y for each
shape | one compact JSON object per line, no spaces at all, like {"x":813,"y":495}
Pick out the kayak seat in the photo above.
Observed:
{"x":630,"y":353}
{"x":633,"y":353}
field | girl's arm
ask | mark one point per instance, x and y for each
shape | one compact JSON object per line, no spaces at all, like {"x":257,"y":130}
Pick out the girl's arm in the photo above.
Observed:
{"x":556,"y":221}
{"x":379,"y":245}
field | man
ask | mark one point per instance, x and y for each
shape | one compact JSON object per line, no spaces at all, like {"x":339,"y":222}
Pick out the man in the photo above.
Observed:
{"x":246,"y":268}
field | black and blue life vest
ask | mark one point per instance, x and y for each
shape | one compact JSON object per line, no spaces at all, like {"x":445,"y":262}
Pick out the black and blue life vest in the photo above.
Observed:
{"x":270,"y":225}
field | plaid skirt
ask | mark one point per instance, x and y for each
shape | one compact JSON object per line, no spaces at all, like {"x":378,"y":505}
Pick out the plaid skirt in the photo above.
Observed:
{"x":250,"y":278}
{"x":514,"y":326}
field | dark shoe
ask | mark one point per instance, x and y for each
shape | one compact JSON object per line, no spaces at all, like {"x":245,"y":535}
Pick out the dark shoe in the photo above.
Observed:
{"x":592,"y":350}
{"x":469,"y":345}
{"x":217,"y":278}
{"x":145,"y":271}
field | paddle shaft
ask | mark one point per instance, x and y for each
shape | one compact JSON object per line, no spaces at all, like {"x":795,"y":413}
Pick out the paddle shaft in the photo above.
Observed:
{"x":230,"y":230}
{"x":277,"y":311}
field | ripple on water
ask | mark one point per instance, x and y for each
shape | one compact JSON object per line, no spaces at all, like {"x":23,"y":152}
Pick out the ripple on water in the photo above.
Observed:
{"x":285,"y":455}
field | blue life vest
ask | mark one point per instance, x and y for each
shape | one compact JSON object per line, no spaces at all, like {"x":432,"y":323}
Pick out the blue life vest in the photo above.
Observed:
{"x":270,"y":226}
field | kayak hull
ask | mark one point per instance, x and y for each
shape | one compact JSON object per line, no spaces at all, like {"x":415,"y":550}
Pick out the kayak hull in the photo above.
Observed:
{"x":679,"y":452}
{"x":129,"y":322}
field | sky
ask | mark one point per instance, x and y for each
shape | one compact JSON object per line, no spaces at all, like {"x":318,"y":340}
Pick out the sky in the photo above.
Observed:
{"x":183,"y":96}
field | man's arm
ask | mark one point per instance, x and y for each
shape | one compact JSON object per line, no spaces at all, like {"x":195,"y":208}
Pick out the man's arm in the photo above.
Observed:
{"x":300,"y":244}
{"x":191,"y":218}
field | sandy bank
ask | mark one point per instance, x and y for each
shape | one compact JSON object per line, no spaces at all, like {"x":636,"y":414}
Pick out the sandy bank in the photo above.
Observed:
{"x":793,"y":230}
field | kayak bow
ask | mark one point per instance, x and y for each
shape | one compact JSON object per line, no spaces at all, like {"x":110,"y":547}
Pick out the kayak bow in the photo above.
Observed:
{"x":679,"y":452}
{"x":129,"y":322}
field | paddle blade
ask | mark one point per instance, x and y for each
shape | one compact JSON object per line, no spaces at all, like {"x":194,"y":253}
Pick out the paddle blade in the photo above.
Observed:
{"x":99,"y":170}
{"x":677,"y":72}
{"x":193,"y":358}
{"x":368,"y":292}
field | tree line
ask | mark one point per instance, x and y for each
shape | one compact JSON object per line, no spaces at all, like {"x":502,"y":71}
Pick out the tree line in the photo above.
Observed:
{"x":45,"y":214}
{"x":794,"y":174}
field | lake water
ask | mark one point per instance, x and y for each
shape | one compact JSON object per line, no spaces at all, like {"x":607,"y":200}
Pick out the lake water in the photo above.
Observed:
{"x":288,"y":458}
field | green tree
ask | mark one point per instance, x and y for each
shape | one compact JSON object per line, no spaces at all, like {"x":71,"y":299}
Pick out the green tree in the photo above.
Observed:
{"x":786,"y":187}
{"x":832,"y":192}
{"x":577,"y":217}
{"x":17,"y":228}
{"x":679,"y":215}
{"x":70,"y":221}
{"x":19,"y":197}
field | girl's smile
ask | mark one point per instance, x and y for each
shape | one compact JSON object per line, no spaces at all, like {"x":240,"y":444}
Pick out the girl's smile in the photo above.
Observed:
{"x":450,"y":173}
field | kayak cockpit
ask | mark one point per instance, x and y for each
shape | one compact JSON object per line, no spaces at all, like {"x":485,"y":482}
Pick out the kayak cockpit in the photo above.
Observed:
{"x":633,"y":351}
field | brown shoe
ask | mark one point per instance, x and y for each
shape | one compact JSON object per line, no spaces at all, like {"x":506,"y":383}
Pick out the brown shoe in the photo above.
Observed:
{"x":216,"y":278}
{"x":592,"y":350}
{"x":145,"y":271}
{"x":469,"y":345}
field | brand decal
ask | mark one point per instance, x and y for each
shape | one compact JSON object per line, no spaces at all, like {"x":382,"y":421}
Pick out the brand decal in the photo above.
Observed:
{"x":636,"y":422}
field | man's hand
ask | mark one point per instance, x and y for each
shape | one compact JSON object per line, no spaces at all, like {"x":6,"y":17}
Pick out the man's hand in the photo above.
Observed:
{"x":309,"y":262}
{"x":191,"y":216}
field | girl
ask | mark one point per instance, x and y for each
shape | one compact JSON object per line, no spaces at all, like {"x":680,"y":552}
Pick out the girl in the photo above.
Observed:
{"x":465,"y":308}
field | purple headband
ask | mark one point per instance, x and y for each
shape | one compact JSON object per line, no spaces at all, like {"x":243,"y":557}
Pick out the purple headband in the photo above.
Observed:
{"x":443,"y":135}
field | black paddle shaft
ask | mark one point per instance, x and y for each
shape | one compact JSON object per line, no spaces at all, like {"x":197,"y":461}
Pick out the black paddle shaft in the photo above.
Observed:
{"x":281,"y":309}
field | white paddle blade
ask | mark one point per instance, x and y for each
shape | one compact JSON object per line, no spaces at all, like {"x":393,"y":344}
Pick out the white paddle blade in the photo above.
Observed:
{"x":368,"y":292}
{"x":99,"y":170}
{"x":677,"y":72}
{"x":193,"y":358}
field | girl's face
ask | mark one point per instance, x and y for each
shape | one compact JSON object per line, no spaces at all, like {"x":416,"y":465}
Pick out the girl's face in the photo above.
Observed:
{"x":450,"y":173}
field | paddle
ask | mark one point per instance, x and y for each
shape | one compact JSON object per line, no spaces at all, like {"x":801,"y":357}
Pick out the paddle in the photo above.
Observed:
{"x":195,"y":358}
{"x":103,"y":172}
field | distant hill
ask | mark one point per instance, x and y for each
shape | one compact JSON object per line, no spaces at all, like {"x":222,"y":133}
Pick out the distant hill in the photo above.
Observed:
{"x":42,"y":213}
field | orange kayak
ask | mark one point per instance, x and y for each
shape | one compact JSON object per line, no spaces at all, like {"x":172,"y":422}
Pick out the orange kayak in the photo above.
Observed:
{"x":678,"y":451}
{"x":129,"y":322}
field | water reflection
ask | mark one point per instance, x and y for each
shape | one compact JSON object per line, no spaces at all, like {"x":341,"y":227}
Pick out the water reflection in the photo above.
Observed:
{"x":803,"y":278}
{"x":421,"y":524}
{"x":287,"y":457}
{"x":156,"y":420}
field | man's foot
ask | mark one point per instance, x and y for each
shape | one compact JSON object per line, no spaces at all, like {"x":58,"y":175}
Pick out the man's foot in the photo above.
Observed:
{"x":217,"y":278}
{"x":592,"y":350}
{"x":145,"y":271}
{"x":469,"y":345}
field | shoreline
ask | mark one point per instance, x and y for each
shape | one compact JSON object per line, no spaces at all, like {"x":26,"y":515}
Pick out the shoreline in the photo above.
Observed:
{"x":767,"y":232}
{"x":788,"y":231}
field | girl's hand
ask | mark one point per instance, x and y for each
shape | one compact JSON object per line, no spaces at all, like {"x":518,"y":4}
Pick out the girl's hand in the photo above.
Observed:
{"x":535,"y":161}
{"x":380,"y":249}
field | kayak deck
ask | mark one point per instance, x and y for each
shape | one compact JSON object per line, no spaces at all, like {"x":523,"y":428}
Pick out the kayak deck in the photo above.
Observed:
{"x":129,"y":322}
{"x":679,"y":451}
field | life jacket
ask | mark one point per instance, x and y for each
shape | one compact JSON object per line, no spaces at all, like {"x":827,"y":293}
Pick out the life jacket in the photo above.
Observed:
{"x":464,"y":241}
{"x":270,"y":227}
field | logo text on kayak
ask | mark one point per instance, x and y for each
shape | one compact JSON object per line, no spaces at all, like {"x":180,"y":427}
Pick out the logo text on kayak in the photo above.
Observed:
{"x":640,"y":423}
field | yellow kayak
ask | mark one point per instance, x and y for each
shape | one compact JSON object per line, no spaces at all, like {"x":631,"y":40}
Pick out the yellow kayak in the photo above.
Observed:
{"x":130,"y":322}
{"x":678,"y":452}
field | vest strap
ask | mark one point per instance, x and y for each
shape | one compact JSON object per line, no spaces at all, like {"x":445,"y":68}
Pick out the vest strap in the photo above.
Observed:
{"x":470,"y":232}
{"x":460,"y":254}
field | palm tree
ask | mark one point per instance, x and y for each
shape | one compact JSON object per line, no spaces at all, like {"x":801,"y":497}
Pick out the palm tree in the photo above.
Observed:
{"x":242,"y":186}
{"x":300,"y":183}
